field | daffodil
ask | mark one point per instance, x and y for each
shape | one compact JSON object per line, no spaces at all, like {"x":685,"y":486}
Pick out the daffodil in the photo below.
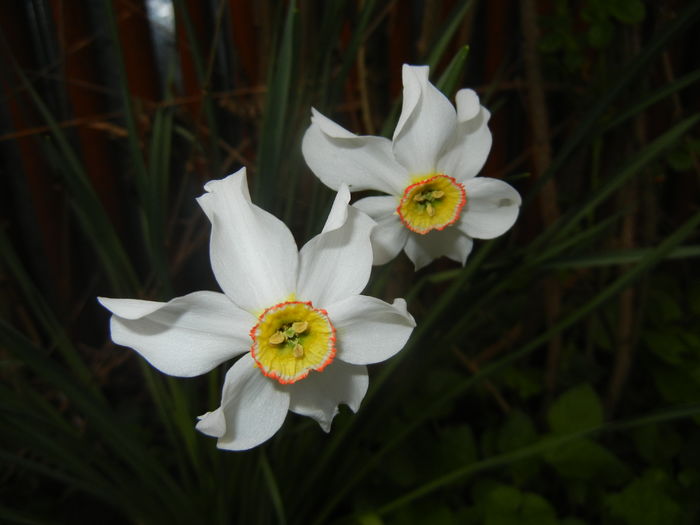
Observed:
{"x":435,"y":204}
{"x":296,"y":318}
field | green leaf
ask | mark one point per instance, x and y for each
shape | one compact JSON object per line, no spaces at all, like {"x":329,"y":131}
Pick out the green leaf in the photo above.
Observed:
{"x":576,"y":409}
{"x":666,"y":345}
{"x":617,"y":257}
{"x":273,"y":488}
{"x":457,"y":446}
{"x":627,"y":11}
{"x":518,"y":431}
{"x":526,"y":382}
{"x":657,"y":444}
{"x":646,"y":501}
{"x":270,"y":150}
{"x":447,"y":83}
{"x":369,"y":519}
{"x":509,"y":506}
{"x":587,"y":460}
{"x":600,"y":34}
{"x":572,"y":521}
{"x":676,"y":384}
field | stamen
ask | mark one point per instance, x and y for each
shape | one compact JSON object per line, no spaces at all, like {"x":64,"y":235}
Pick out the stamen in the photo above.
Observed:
{"x":300,"y":327}
{"x":419,"y":197}
{"x":298,"y":351}
{"x":430,"y":210}
{"x":277,"y":338}
{"x":438,"y":194}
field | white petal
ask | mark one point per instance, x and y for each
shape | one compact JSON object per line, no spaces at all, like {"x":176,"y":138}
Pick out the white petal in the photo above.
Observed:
{"x":450,"y":242}
{"x":363,"y":162}
{"x":369,"y":330}
{"x":426,"y":124}
{"x":491,"y":209}
{"x":388,"y":238}
{"x":253,"y":254}
{"x":184,"y":337}
{"x":319,"y":395}
{"x":389,"y":235}
{"x":468,"y":148}
{"x":468,"y":105}
{"x":377,"y":207}
{"x":130,"y":308}
{"x":339,"y":211}
{"x":253,"y":407}
{"x":337,"y":263}
{"x":212,"y":423}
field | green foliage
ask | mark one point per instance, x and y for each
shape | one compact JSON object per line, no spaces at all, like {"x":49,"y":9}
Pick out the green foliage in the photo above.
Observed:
{"x":508,"y":506}
{"x":576,"y":409}
{"x":573,"y":31}
{"x":646,"y":500}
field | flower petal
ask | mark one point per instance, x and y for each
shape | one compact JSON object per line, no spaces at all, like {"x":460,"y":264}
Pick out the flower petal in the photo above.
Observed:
{"x":450,"y":242}
{"x":369,"y":330}
{"x":363,"y":162}
{"x":339,"y":210}
{"x":184,"y":337}
{"x":378,"y":207}
{"x":469,"y":147}
{"x":388,"y":238}
{"x":319,"y":395}
{"x":491,"y":209}
{"x":426,"y":124}
{"x":253,"y":254}
{"x":468,"y":105}
{"x":253,"y":407}
{"x":337,"y":263}
{"x":389,"y":235}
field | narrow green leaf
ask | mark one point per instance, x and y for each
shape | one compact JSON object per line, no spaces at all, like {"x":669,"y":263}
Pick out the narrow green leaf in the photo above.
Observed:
{"x":45,"y":315}
{"x":270,"y":151}
{"x":651,"y":98}
{"x":203,"y":73}
{"x":272,"y":487}
{"x":446,"y":33}
{"x":448,"y":81}
{"x":619,"y":257}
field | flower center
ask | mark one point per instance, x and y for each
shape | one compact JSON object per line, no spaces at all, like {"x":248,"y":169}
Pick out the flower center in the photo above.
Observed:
{"x":432,"y":203}
{"x":291,"y":339}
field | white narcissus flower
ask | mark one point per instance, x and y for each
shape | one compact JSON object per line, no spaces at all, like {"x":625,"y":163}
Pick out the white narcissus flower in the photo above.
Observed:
{"x":304,"y":332}
{"x":436,"y":204}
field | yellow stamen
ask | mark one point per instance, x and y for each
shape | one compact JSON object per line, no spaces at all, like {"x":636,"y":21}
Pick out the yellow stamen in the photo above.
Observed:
{"x":277,"y":338}
{"x":298,"y":351}
{"x":430,"y":210}
{"x":438,"y":194}
{"x":300,"y":327}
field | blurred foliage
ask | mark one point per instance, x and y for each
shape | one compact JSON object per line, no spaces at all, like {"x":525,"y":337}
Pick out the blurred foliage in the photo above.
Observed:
{"x":554,"y":379}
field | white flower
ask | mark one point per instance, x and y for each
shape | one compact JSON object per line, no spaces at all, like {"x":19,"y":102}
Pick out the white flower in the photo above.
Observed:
{"x":297,"y":317}
{"x":436,"y":204}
